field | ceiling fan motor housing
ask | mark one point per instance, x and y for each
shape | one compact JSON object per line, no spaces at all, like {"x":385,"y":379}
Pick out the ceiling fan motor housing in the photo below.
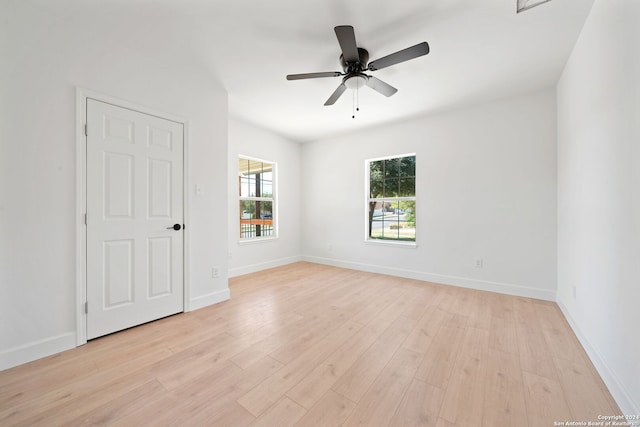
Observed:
{"x":356,"y":67}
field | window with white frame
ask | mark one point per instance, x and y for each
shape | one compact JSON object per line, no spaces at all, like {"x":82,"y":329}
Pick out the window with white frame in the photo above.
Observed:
{"x":391,"y":199}
{"x":256,"y":187}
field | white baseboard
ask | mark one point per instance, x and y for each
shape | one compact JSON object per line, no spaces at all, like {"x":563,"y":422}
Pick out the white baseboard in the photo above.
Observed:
{"x":463,"y":282}
{"x":209,"y":299}
{"x":239,"y":271}
{"x":57,"y":344}
{"x":36,"y":350}
{"x":616,"y":387}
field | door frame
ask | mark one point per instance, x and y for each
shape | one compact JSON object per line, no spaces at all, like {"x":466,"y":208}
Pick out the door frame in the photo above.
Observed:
{"x":81,"y":199}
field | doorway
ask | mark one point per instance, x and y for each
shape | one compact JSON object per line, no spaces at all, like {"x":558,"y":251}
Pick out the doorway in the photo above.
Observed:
{"x":134,"y":217}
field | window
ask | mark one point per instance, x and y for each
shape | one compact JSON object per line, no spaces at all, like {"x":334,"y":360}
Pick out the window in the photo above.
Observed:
{"x":391,"y":199}
{"x":256,"y":182}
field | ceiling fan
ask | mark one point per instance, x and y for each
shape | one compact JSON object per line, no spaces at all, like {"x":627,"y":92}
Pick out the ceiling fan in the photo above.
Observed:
{"x":355,"y":63}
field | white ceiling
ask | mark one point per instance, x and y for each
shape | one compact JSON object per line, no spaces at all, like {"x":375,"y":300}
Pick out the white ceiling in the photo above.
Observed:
{"x":481,"y":50}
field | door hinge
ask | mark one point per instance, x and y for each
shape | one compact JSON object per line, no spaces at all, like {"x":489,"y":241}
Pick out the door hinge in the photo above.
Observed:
{"x":85,"y":218}
{"x":86,"y":132}
{"x":86,"y":307}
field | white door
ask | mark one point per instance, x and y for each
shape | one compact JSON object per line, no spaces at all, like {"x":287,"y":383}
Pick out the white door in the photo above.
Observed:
{"x":134,"y":199}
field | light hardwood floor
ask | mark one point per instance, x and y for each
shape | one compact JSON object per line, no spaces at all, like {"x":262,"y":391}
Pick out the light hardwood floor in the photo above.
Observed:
{"x":308,"y":345}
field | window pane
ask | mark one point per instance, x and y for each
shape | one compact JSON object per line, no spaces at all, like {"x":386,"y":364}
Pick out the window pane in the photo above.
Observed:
{"x":256,"y":178}
{"x":253,"y":167}
{"x":252,"y":186}
{"x":407,"y":221}
{"x":267,"y":184}
{"x":243,"y":167}
{"x":257,"y":211}
{"x":251,"y":225}
{"x":407,"y":187}
{"x":244,"y":186}
{"x":376,"y":170}
{"x":393,"y":221}
{"x":391,"y":168}
{"x":375,"y":220}
{"x":247,"y":209}
{"x":256,"y":219}
{"x":408,"y":166}
{"x":248,"y":186}
{"x":267,"y":189}
{"x":391,"y":187}
{"x":376,"y":188}
{"x":266,"y":210}
{"x":408,"y":212}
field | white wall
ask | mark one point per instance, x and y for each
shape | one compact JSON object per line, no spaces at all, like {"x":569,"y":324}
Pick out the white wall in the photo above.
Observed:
{"x":599,"y":194}
{"x":47,"y":52}
{"x":486,"y":179}
{"x":247,"y":257}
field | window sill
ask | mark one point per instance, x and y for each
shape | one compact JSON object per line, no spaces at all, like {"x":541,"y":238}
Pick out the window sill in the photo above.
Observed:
{"x":406,"y":245}
{"x":257,"y":240}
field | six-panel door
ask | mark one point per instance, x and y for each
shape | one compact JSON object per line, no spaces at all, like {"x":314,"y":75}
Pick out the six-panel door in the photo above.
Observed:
{"x":134,"y":198}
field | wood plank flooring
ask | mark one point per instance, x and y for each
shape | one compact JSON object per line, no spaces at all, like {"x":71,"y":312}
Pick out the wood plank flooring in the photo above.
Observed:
{"x":306,"y":345}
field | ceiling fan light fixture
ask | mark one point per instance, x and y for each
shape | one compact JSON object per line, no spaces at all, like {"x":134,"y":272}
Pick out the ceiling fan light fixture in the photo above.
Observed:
{"x":356,"y":82}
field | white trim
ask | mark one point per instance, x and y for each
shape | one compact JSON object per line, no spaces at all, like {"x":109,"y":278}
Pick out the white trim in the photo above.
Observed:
{"x":81,"y":208}
{"x":81,"y":199}
{"x":463,"y":282}
{"x":393,"y":199}
{"x":247,"y":269}
{"x":257,"y":199}
{"x":399,"y":243}
{"x":393,"y":156}
{"x":615,"y":386}
{"x":186,"y":181}
{"x":209,"y":299}
{"x":36,"y":350}
{"x":255,"y":240}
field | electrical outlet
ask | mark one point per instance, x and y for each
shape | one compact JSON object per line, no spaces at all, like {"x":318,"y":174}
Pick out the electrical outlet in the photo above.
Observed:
{"x":215,"y":272}
{"x":479,"y":263}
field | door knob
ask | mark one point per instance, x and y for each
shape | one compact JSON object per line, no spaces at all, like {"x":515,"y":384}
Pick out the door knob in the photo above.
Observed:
{"x":176,"y":227}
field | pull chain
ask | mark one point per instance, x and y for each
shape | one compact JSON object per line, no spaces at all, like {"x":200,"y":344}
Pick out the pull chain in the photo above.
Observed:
{"x":355,"y":102}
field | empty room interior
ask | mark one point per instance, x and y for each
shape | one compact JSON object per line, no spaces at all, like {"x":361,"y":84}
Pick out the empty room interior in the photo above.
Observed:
{"x":333,"y":213}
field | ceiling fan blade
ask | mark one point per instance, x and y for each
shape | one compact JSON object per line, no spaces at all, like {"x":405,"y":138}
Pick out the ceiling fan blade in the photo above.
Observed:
{"x":403,"y":55}
{"x":313,"y":75}
{"x":335,"y":95}
{"x":347,"y":40}
{"x":380,"y":86}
